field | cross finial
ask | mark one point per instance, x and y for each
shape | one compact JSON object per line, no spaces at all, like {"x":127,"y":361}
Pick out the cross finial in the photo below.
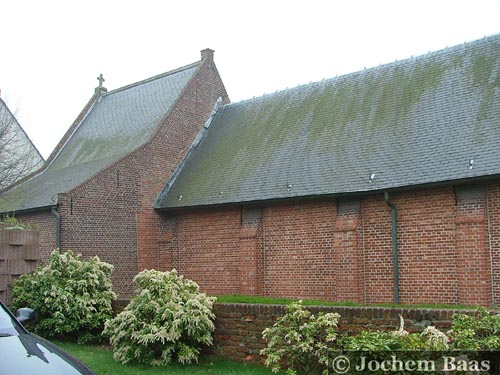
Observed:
{"x":101,"y":80}
{"x":99,"y":90}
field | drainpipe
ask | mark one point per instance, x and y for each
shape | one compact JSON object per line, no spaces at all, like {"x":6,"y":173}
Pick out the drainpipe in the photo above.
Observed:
{"x":395,"y":255}
{"x":57,"y":216}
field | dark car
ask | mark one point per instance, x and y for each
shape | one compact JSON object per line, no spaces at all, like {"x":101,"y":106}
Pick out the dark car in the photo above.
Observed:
{"x":23,"y":353}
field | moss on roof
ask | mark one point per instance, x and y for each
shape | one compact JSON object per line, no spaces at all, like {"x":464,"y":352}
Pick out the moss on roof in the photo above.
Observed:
{"x":411,"y":122}
{"x":118,"y":123}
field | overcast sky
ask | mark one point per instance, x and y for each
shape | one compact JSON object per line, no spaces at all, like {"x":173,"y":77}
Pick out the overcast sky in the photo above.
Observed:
{"x":52,"y":51}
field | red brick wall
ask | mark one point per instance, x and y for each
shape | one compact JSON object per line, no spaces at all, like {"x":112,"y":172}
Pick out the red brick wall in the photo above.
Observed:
{"x":427,"y":246}
{"x":342,"y":250}
{"x":348,"y":254}
{"x":99,"y":217}
{"x":377,"y":249}
{"x":249,"y":262}
{"x":167,"y":149}
{"x":493,"y":217}
{"x":238,"y":332}
{"x":211,"y":260}
{"x":299,"y":250}
{"x":473,"y":253}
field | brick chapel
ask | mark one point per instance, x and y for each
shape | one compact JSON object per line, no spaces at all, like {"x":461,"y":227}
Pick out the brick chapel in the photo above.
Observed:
{"x":379,"y":186}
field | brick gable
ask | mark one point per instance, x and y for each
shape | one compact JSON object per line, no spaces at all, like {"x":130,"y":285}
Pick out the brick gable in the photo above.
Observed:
{"x":111,"y":214}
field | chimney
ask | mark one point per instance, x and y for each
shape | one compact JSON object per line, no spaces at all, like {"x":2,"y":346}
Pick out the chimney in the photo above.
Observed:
{"x":207,"y":54}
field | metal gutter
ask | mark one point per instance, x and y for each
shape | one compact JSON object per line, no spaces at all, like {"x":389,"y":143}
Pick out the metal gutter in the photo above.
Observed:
{"x":430,"y":185}
{"x":27,"y":210}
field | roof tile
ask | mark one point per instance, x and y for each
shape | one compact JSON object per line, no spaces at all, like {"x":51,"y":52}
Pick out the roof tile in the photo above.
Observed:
{"x":413,"y":122}
{"x":118,"y":123}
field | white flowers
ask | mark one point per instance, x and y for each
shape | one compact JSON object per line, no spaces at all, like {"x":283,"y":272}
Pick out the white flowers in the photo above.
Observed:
{"x":171,"y":319}
{"x":435,"y":339}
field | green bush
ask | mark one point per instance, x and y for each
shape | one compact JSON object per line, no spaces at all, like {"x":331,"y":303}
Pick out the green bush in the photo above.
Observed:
{"x":169,"y":319}
{"x":301,"y":342}
{"x":399,"y":340}
{"x":380,"y":341}
{"x":305,"y":344}
{"x":72,"y":297}
{"x":476,"y":332}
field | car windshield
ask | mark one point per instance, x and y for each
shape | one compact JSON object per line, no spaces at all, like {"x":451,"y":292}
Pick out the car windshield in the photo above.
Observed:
{"x":8,"y":325}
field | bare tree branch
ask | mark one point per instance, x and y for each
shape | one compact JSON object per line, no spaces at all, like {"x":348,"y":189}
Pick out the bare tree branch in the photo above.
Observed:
{"x":18,"y":156}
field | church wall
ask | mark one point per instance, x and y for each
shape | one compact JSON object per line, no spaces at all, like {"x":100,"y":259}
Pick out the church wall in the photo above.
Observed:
{"x":341,"y":249}
{"x":426,"y":239}
{"x":298,"y":250}
{"x":493,"y":217}
{"x":211,"y":260}
{"x":99,"y":218}
{"x":111,"y":215}
{"x":166,"y":151}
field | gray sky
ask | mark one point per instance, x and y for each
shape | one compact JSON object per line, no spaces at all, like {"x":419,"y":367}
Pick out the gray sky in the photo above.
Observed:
{"x":53,"y":50}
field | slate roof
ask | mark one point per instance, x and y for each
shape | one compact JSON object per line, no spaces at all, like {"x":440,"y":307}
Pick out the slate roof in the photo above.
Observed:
{"x":119,"y":122}
{"x":412,"y":122}
{"x":18,"y":155}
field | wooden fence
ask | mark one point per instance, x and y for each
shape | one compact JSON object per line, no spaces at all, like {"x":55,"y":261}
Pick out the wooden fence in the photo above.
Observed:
{"x":19,"y":254}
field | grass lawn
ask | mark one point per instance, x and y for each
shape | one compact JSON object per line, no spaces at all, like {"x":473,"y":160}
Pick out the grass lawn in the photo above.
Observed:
{"x":236,"y":298}
{"x":101,"y":361}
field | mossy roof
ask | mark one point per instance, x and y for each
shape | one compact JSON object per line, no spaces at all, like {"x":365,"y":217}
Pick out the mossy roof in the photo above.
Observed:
{"x":412,"y":122}
{"x":118,"y":123}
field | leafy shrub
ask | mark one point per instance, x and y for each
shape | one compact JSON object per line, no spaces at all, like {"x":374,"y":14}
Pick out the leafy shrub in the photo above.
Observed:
{"x":72,"y":297}
{"x":476,"y":332}
{"x":379,"y":341}
{"x":435,"y":339}
{"x":304,"y":344}
{"x":168,"y":319}
{"x":300,"y":341}
{"x":400,"y":340}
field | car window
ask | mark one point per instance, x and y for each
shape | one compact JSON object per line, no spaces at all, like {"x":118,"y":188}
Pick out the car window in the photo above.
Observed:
{"x":8,"y":326}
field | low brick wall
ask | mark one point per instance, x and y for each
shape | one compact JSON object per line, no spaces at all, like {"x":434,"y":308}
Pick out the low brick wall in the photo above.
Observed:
{"x":238,"y":333}
{"x":238,"y":327}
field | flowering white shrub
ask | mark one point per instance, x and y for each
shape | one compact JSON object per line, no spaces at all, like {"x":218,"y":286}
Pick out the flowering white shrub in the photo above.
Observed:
{"x":169,"y":319}
{"x":401,"y":331}
{"x":300,"y":341}
{"x":435,"y":339}
{"x":71,"y":297}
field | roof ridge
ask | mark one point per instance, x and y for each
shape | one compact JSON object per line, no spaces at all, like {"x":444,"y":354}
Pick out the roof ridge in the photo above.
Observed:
{"x":300,"y":87}
{"x":194,"y":145}
{"x":153,"y":78}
